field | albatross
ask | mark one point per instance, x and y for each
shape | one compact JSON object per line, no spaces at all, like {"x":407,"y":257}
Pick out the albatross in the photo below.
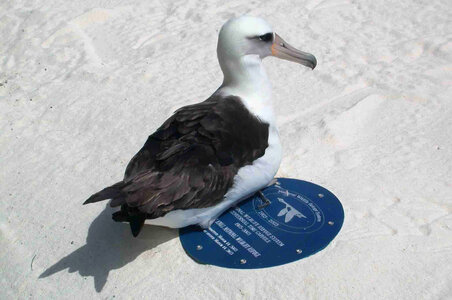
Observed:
{"x":211,"y":155}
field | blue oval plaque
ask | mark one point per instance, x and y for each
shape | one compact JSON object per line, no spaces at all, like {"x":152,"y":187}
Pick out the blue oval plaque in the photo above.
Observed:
{"x":287,"y":221}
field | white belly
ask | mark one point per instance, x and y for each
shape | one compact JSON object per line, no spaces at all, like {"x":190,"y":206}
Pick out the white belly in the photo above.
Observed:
{"x":248,"y":180}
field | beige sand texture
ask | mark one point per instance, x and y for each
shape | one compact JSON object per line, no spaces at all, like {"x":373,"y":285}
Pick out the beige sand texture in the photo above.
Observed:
{"x":83,"y":83}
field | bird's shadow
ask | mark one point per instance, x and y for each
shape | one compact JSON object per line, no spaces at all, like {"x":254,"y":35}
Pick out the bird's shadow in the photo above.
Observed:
{"x":109,"y":246}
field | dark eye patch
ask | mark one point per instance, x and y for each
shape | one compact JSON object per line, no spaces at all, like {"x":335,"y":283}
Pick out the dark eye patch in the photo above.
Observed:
{"x":268,"y":37}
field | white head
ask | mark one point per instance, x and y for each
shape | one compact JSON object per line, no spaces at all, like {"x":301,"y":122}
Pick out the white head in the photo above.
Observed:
{"x":243,"y":43}
{"x":240,"y":36}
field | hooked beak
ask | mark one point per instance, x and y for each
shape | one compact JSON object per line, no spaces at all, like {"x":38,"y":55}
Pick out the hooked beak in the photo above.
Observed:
{"x":285,"y":51}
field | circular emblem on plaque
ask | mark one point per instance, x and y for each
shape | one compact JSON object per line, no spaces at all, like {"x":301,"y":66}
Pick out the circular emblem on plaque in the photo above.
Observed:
{"x":291,"y":211}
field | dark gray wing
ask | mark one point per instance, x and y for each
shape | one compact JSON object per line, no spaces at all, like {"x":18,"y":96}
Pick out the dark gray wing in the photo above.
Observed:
{"x":191,"y":160}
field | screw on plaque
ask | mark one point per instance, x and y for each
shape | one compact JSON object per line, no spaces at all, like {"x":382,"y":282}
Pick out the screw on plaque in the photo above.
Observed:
{"x":243,"y":261}
{"x":199,"y":247}
{"x":265,"y":200}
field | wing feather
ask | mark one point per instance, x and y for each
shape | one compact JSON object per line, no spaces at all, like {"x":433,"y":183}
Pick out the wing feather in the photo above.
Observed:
{"x":191,"y":160}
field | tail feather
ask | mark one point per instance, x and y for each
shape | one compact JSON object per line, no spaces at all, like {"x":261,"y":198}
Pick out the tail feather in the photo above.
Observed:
{"x":114,"y":191}
{"x":118,"y":201}
{"x":126,"y":214}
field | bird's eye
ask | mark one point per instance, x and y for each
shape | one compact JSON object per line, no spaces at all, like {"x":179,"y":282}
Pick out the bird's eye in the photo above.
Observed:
{"x":266,"y":37}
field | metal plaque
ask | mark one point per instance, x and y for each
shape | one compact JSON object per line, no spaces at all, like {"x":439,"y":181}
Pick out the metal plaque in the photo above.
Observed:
{"x":285,"y":222}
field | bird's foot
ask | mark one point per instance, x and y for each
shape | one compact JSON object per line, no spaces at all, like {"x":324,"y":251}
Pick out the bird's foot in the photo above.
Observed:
{"x":265,"y":201}
{"x":120,"y":216}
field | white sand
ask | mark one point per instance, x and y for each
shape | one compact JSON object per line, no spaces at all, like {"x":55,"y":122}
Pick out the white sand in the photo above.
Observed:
{"x":85,"y":82}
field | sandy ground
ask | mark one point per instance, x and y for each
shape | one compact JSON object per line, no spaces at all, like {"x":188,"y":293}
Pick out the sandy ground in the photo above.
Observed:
{"x":83,"y":83}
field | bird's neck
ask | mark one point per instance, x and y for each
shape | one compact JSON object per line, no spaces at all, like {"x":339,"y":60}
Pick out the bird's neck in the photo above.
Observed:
{"x":246,"y":78}
{"x":246,"y":75}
